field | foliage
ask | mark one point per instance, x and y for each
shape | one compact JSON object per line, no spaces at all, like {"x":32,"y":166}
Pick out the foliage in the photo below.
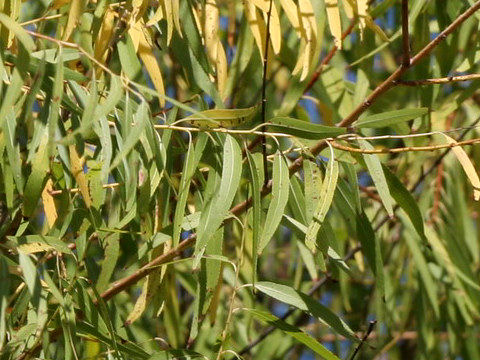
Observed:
{"x":140,"y":220}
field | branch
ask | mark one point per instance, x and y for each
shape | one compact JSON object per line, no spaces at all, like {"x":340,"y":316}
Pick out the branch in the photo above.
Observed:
{"x":404,"y":149}
{"x":371,"y":325}
{"x":405,"y":35}
{"x":388,"y":83}
{"x":296,"y":165}
{"x":264,"y":94}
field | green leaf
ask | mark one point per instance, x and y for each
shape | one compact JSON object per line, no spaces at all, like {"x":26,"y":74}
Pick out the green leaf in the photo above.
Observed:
{"x":389,"y":118}
{"x":294,"y":332}
{"x":37,"y":178}
{"x":19,"y":32}
{"x":280,"y":190}
{"x":405,"y":200}
{"x":29,"y":244}
{"x":376,"y":172}
{"x":226,"y":118}
{"x":423,"y":270}
{"x":133,"y":137}
{"x":304,"y":302}
{"x":256,"y":177}
{"x":372,"y":250}
{"x":303,"y":129}
{"x":325,"y":200}
{"x":217,"y":209}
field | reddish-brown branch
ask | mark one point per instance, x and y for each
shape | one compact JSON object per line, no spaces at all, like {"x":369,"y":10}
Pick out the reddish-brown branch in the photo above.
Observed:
{"x":387,"y":84}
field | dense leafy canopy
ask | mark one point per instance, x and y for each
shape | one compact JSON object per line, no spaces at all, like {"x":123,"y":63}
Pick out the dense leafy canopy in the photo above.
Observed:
{"x":139,"y":218}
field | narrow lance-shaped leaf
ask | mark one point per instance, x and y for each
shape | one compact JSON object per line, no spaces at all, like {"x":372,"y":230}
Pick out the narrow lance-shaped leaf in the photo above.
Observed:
{"x":140,"y":121}
{"x":216,"y":211}
{"x":220,"y":117}
{"x":405,"y":200}
{"x":280,"y":190}
{"x":303,"y":129}
{"x":389,"y":118}
{"x":326,"y":196}
{"x":467,"y":166}
{"x":256,"y":175}
{"x":37,"y":178}
{"x":294,"y":332}
{"x":376,"y":172}
{"x":304,"y":302}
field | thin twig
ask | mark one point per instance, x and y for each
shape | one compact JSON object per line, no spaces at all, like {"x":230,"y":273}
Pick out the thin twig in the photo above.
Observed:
{"x":297,"y":164}
{"x":390,"y":81}
{"x":405,"y":35}
{"x":371,"y":325}
{"x":404,"y":149}
{"x":264,"y":95}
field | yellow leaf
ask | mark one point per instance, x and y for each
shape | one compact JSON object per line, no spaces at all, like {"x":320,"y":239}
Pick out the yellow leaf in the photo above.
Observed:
{"x":212,"y":16}
{"x":275,"y":28}
{"x":141,"y":37}
{"x":257,"y":26}
{"x":49,"y":204}
{"x":333,"y":15}
{"x":467,"y":166}
{"x":76,"y":11}
{"x":362,"y":6}
{"x":104,"y":36}
{"x":76,"y":167}
{"x":221,"y":65}
{"x":34,"y":247}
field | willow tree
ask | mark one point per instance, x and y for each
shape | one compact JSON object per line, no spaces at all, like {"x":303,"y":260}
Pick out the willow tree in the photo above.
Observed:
{"x":262,"y":179}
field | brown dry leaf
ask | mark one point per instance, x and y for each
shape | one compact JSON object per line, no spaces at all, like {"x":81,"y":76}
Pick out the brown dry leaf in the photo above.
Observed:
{"x":76,"y":167}
{"x":49,"y":203}
{"x":467,"y":166}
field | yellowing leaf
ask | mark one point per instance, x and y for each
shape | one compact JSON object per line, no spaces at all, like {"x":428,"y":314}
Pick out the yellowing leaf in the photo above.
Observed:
{"x":467,"y":166}
{"x":334,"y":21}
{"x":76,"y":167}
{"x":76,"y":10}
{"x":257,"y":26}
{"x":141,"y":37}
{"x":221,"y":65}
{"x":49,"y":204}
{"x":362,"y":6}
{"x":104,"y":36}
{"x":212,"y":17}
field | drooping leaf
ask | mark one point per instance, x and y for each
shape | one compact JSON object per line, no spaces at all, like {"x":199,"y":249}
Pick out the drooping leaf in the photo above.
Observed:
{"x":294,"y":332}
{"x":389,"y":118}
{"x":278,"y":202}
{"x":303,"y":129}
{"x":304,"y":302}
